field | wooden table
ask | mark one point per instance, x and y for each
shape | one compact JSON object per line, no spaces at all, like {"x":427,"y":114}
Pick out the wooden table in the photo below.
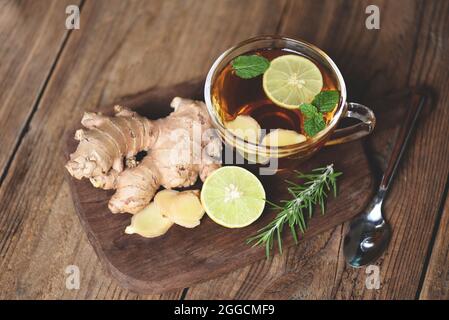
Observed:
{"x":49,"y":75}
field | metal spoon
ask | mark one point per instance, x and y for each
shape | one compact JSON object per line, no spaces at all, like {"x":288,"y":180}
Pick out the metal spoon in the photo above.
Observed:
{"x":369,"y":233}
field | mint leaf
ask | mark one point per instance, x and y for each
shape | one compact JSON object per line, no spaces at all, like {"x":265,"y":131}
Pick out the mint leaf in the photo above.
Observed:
{"x":314,"y":121}
{"x":308,"y":110}
{"x":326,"y":101}
{"x":248,"y":67}
{"x":314,"y":124}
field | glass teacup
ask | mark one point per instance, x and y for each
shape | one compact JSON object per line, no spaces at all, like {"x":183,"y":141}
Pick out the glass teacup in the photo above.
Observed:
{"x":286,"y":156}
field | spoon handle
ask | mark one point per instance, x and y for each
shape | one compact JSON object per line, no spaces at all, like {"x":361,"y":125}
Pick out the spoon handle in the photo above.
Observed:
{"x":417,"y":103}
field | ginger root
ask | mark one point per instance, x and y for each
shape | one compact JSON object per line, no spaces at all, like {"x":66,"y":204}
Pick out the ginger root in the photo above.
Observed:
{"x":180,"y":147}
{"x":107,"y":140}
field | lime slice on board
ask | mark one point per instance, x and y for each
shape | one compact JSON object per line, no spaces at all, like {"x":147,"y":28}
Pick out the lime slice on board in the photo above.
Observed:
{"x":292,"y":80}
{"x":233,"y":197}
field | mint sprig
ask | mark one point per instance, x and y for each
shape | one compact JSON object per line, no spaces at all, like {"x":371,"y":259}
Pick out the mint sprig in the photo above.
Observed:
{"x":314,"y":125}
{"x":314,"y":121}
{"x":308,"y":110}
{"x":325,"y":101}
{"x":251,"y":66}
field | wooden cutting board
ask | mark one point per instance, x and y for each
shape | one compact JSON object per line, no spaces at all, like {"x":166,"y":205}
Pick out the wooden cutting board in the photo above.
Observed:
{"x":183,"y":257}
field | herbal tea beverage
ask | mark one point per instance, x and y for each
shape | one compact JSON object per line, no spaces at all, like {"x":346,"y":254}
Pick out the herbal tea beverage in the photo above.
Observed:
{"x":274,"y":98}
{"x":236,"y":95}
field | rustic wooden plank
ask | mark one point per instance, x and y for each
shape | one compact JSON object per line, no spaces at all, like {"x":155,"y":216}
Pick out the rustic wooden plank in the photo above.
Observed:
{"x":413,"y":204}
{"x":374,"y":63}
{"x":31,"y":33}
{"x":122,"y":48}
{"x":436,"y":281}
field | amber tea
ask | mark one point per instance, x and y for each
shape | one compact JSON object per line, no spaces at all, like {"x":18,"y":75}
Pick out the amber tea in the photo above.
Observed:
{"x":236,"y":96}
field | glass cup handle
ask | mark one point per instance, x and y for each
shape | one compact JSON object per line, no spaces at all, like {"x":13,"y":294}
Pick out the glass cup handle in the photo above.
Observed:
{"x":354,"y":132}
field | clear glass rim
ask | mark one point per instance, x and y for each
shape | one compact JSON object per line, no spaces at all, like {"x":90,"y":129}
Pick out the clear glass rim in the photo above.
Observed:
{"x":302,"y":145}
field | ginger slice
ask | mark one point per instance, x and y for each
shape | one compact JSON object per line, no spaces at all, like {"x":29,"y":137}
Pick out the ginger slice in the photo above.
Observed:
{"x":183,"y":208}
{"x":245,"y":127}
{"x":163,"y":200}
{"x":282,"y":137}
{"x":149,"y":222}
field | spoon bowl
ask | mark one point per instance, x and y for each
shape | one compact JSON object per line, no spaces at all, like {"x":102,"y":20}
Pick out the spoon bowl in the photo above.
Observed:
{"x":367,"y":239}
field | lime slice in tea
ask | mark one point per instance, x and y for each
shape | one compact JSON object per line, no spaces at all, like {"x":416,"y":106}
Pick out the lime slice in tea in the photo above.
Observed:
{"x":233,"y":197}
{"x":292,"y":80}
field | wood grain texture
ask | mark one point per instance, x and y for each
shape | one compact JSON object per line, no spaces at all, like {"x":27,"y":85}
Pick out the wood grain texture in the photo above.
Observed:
{"x":32,"y":34}
{"x":302,"y":272}
{"x":412,"y":206}
{"x":408,"y":49}
{"x":121,"y":49}
{"x":436,"y":281}
{"x":183,"y":257}
{"x":112,"y":56}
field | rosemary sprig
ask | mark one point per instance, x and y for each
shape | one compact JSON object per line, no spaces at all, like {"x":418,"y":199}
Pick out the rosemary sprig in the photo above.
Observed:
{"x":305,"y":196}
